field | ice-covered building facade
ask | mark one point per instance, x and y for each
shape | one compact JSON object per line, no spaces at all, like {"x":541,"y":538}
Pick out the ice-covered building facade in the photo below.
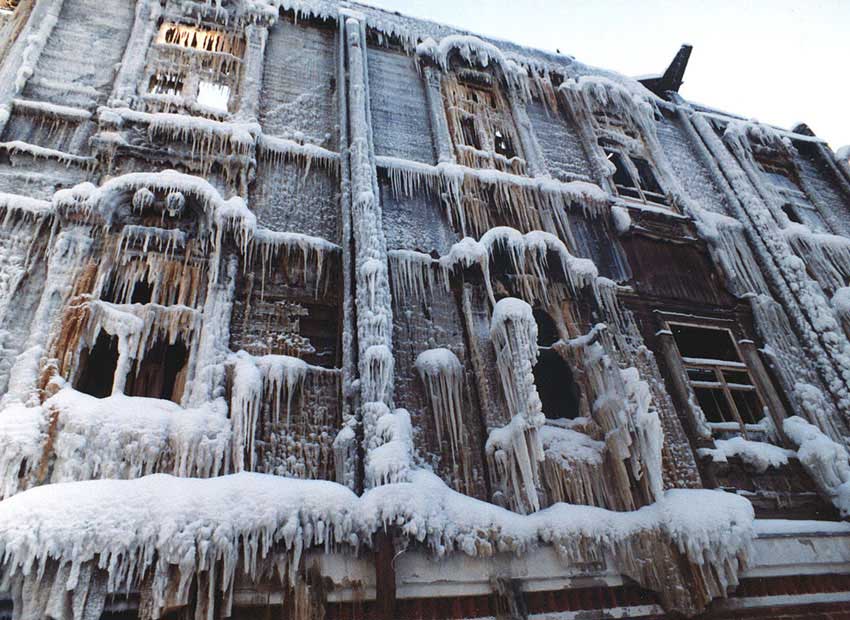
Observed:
{"x":310,"y":310}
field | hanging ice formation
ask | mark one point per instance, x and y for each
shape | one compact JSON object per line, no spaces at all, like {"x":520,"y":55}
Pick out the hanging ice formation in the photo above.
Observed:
{"x":442,"y":374}
{"x":514,"y":451}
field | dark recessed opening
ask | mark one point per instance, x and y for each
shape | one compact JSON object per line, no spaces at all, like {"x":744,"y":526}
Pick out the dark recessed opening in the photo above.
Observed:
{"x":788,"y":210}
{"x":161,"y":374}
{"x":470,"y":135}
{"x":142,"y":292}
{"x":547,"y":332}
{"x":98,"y":366}
{"x":503,"y":145}
{"x":556,"y":387}
{"x":701,"y":342}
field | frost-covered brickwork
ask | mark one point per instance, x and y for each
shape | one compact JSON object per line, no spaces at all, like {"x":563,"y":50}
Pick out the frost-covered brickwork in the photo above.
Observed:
{"x":295,"y":294}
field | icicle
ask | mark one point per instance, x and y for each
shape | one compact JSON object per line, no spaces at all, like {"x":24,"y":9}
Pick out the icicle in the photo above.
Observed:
{"x":442,"y":374}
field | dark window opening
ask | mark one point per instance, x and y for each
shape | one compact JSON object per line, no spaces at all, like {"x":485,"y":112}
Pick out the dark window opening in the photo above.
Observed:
{"x":704,"y":342}
{"x":646,"y":175}
{"x":162,"y":372}
{"x":142,"y":292}
{"x":470,"y":135}
{"x":166,"y":84}
{"x":720,"y":379}
{"x":556,"y":387}
{"x":98,"y":367}
{"x":503,"y":145}
{"x":788,"y":210}
{"x":547,"y":332}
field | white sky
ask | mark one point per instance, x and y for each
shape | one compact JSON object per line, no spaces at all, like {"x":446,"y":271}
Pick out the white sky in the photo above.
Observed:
{"x":779,"y":61}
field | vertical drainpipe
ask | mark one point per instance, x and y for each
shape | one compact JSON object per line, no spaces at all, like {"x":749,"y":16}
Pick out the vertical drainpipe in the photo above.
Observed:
{"x":372,"y":290}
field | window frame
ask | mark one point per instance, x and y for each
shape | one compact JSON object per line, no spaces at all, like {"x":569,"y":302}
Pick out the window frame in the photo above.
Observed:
{"x":722,"y":385}
{"x":187,"y":61}
{"x":794,"y":196}
{"x":611,"y":147}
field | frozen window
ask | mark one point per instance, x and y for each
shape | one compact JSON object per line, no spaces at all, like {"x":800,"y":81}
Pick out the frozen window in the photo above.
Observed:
{"x":202,"y":66}
{"x":634,"y":177}
{"x":98,"y":366}
{"x":481,"y":124}
{"x":720,"y":379}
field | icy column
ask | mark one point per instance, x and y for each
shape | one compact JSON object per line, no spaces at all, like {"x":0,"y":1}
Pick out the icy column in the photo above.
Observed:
{"x":515,"y":451}
{"x":133,"y":61}
{"x":442,"y":374}
{"x":252,"y":72}
{"x":372,"y":296}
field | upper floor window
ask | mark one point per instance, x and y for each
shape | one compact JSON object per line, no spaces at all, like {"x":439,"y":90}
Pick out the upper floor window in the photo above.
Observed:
{"x":795,"y":203}
{"x":634,"y":176}
{"x":481,"y":124}
{"x":193,"y":66}
{"x":9,"y":6}
{"x":720,"y":379}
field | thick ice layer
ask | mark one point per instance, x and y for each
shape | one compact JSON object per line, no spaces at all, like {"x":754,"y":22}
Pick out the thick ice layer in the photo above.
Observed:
{"x":825,"y":460}
{"x":150,"y":526}
{"x":442,"y":374}
{"x":757,"y":454}
{"x":266,"y":384}
{"x":74,"y":436}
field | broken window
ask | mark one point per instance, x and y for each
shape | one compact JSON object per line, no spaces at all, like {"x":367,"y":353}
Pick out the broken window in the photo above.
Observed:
{"x":98,"y":366}
{"x":162,"y":372}
{"x":481,"y":123}
{"x":553,"y":377}
{"x":784,"y":180}
{"x":199,"y":65}
{"x":720,"y":379}
{"x":634,"y":176}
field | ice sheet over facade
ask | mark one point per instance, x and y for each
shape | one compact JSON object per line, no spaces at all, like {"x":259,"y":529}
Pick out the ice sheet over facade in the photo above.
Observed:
{"x":312,"y":309}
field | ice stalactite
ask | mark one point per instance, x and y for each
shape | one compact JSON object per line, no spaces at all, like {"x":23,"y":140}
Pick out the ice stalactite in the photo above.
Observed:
{"x":282,"y":150}
{"x":442,"y":374}
{"x":272,"y":246}
{"x":825,"y":460}
{"x":727,"y":239}
{"x":827,"y":257}
{"x":527,"y":254}
{"x":573,"y":467}
{"x":624,"y":410}
{"x":413,"y":275}
{"x":523,"y":200}
{"x":209,"y":140}
{"x":267,"y":384}
{"x":68,"y":255}
{"x":514,"y":451}
{"x":170,"y":534}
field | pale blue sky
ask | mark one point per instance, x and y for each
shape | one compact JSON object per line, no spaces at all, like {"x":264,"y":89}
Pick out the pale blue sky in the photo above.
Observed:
{"x":779,"y":61}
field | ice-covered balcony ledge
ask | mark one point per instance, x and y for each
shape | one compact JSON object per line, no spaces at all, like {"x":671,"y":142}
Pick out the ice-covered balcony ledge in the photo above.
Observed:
{"x":14,"y":207}
{"x":283,"y":150}
{"x":409,"y":177}
{"x":18,"y":149}
{"x":51,"y":110}
{"x":247,"y":523}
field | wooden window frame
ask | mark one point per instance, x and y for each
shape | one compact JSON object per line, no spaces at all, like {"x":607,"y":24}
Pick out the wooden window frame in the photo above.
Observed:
{"x":718,"y":367}
{"x":609,"y":146}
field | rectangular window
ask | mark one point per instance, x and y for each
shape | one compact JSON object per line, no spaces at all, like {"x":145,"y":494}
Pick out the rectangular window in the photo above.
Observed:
{"x":634,"y":177}
{"x":481,"y":125}
{"x":719,"y":377}
{"x":212,"y":58}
